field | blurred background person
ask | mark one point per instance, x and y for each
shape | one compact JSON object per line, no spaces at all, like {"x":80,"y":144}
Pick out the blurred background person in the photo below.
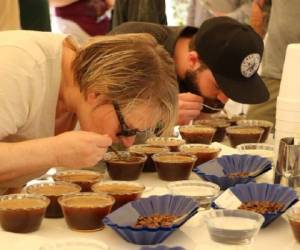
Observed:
{"x":81,"y":18}
{"x":200,"y":10}
{"x":283,"y":29}
{"x":9,"y":15}
{"x":260,"y":15}
{"x":35,"y":15}
{"x":153,"y":11}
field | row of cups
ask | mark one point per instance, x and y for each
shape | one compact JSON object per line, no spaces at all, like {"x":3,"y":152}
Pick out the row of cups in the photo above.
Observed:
{"x":170,"y":166}
{"x":246,"y":131}
{"x":83,"y":211}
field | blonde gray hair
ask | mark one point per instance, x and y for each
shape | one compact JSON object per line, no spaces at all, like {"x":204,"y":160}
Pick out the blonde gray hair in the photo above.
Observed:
{"x":131,"y":69}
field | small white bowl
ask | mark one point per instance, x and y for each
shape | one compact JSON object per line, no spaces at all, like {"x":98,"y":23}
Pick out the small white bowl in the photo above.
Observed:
{"x":261,"y":149}
{"x":201,"y":191}
{"x":233,"y":226}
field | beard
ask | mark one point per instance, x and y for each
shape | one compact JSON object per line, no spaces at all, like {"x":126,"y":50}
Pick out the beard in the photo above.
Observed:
{"x":189,"y":84}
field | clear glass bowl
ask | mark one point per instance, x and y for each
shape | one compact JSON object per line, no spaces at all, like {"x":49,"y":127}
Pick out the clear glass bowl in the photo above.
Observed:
{"x":53,"y":190}
{"x":148,"y":150}
{"x":127,"y":169}
{"x":266,"y":125}
{"x":172,"y":142}
{"x":75,"y":244}
{"x":122,"y":191}
{"x":174,"y":166}
{"x":201,"y":191}
{"x":293,"y":215}
{"x":203,"y":152}
{"x":261,"y":149}
{"x":85,"y":211}
{"x":233,"y":226}
{"x":243,"y":134}
{"x":197,"y":133}
{"x":84,"y":178}
{"x":22,"y":213}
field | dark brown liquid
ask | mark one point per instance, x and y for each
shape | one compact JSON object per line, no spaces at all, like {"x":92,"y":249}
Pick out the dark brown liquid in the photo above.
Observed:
{"x":85,"y":181}
{"x":219,"y":125}
{"x":22,"y":221}
{"x":244,"y":135}
{"x":173,"y":144}
{"x":53,"y":192}
{"x":203,"y":157}
{"x":122,"y":199}
{"x":85,"y":218}
{"x":123,"y":193}
{"x":174,"y":171}
{"x":149,"y":164}
{"x":54,"y":209}
{"x":233,"y":121}
{"x":296,"y":229}
{"x":265,"y":134}
{"x":124,"y":170}
{"x":197,"y":137}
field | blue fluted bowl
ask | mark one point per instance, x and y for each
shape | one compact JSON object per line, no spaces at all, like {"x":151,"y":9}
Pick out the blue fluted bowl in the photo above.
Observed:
{"x":265,"y":192}
{"x":216,"y":170}
{"x":123,"y":219}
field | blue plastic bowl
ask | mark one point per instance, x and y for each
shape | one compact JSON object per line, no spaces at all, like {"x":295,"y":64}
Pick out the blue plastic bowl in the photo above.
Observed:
{"x":216,"y":170}
{"x":123,"y":219}
{"x":265,"y":192}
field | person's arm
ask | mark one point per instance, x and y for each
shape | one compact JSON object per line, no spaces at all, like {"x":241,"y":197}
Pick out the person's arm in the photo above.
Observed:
{"x":257,"y":16}
{"x":110,"y":3}
{"x":242,"y":12}
{"x":60,"y":3}
{"x":191,"y":13}
{"x":76,"y":149}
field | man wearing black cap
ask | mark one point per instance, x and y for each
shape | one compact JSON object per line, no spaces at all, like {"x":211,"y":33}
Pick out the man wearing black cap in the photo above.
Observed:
{"x":213,"y":63}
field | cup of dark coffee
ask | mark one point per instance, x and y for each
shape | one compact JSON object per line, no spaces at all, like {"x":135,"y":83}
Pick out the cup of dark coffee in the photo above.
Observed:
{"x":197,"y":133}
{"x":219,"y":124}
{"x":265,"y":125}
{"x":243,"y":134}
{"x":174,"y":166}
{"x":203,"y":152}
{"x":148,"y":150}
{"x":127,"y":168}
{"x":172,"y":142}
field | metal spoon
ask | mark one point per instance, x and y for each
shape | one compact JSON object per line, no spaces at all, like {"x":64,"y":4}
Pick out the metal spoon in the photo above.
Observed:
{"x":120,"y":157}
{"x":218,"y":109}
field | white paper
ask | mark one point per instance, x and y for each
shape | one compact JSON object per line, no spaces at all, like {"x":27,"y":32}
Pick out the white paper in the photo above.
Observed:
{"x":228,"y":200}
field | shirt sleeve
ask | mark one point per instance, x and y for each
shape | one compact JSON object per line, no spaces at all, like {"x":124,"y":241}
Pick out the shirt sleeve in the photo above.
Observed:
{"x":15,"y":90}
{"x":243,"y":12}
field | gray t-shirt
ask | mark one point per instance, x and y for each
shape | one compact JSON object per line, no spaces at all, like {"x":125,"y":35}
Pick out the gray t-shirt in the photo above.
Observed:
{"x":284,"y":28}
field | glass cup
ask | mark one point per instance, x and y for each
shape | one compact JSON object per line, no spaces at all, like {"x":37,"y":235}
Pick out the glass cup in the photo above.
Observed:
{"x":236,"y":227}
{"x":293,"y":215}
{"x":85,"y":211}
{"x":22,"y":213}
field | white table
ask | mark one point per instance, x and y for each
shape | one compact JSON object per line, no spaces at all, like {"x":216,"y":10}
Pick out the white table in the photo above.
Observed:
{"x":192,"y":235}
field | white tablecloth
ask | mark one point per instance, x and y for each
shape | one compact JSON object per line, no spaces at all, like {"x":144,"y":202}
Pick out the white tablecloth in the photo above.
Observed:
{"x":192,"y":235}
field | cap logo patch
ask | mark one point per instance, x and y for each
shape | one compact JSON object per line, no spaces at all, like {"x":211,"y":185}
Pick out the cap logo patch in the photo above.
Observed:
{"x":250,"y":65}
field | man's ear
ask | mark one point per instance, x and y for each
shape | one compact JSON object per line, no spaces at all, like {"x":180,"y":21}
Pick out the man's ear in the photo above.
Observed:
{"x":193,"y":58}
{"x":93,"y":98}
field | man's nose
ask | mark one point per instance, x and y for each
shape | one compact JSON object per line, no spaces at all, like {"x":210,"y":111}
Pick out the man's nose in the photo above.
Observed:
{"x":222,"y":97}
{"x":127,"y":141}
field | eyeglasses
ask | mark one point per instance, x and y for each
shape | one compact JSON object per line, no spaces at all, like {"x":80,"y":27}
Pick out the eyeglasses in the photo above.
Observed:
{"x":125,"y":130}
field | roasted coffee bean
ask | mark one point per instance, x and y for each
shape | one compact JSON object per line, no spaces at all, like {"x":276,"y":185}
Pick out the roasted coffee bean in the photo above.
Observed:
{"x":262,"y":207}
{"x":155,"y":221}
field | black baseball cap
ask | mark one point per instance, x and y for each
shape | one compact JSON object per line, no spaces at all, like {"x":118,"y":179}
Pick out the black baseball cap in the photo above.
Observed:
{"x":233,"y":52}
